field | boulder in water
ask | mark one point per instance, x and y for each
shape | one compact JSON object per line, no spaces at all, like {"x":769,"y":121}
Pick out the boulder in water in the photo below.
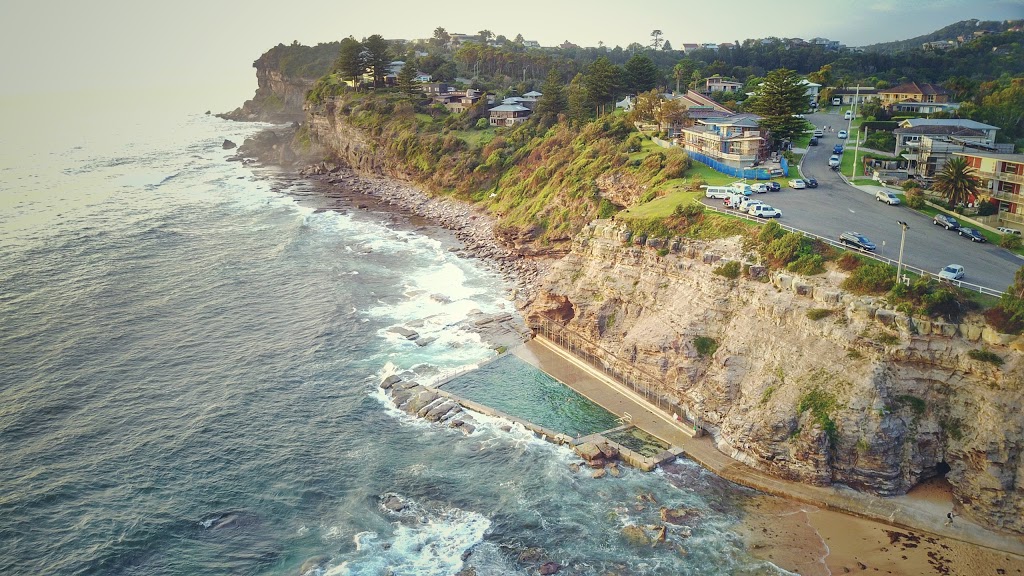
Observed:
{"x":228,"y":145}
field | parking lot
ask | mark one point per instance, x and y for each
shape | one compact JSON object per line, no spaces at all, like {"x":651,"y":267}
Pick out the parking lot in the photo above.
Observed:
{"x":835,"y":206}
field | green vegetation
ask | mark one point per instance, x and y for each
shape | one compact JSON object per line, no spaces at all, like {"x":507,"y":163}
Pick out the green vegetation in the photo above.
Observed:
{"x":953,"y":427}
{"x":821,"y":404}
{"x":870,"y":279}
{"x":986,"y":356}
{"x":730,"y":269}
{"x":819,"y":313}
{"x":916,"y":404}
{"x":705,"y":345}
{"x":794,"y":252}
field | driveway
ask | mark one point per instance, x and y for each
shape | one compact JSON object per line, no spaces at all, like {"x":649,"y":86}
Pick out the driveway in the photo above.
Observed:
{"x":836,"y":206}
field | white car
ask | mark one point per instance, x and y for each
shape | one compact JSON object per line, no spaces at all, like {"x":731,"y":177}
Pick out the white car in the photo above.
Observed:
{"x":848,"y":115}
{"x":1005,"y":230}
{"x":952,"y":272}
{"x":819,"y":133}
{"x":797,"y":184}
{"x":887,"y":197}
{"x":759,"y":188}
{"x":842,"y":134}
{"x":747,"y":203}
{"x":764,"y":211}
{"x":834,"y":160}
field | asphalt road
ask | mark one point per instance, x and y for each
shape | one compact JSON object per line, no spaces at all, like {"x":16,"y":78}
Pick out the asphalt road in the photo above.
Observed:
{"x":835,"y":206}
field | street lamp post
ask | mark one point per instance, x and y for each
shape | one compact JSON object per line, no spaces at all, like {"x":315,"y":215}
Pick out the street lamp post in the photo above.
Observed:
{"x":903,"y":238}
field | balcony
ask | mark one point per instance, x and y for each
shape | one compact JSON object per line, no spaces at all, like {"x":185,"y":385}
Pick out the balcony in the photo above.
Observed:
{"x":1002,"y":176}
{"x":1007,"y":197}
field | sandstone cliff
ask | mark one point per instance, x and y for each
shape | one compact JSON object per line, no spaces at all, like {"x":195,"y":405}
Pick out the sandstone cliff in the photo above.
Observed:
{"x":862,"y":395}
{"x":278,"y":99}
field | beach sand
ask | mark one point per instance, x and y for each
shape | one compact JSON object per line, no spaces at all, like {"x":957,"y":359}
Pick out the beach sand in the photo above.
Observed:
{"x":807,"y":540}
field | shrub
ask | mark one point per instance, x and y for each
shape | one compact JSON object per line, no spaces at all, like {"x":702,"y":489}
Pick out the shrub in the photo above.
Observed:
{"x":821,"y":403}
{"x":1011,"y":241}
{"x":482,"y":124}
{"x":870,"y":279}
{"x":914,"y":198}
{"x":819,"y":313}
{"x":730,"y":269}
{"x":988,"y":208}
{"x":986,"y":356}
{"x":849,"y":262}
{"x":606,"y":209}
{"x":916,"y":404}
{"x":705,"y":345}
{"x":807,"y":264}
{"x":1003,"y":320}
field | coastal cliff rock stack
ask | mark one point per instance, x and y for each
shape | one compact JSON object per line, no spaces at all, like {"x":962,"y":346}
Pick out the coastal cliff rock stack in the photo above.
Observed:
{"x":863,"y":396}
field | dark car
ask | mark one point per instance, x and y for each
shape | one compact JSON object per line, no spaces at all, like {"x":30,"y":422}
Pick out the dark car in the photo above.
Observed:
{"x":971,"y":233}
{"x":811,"y":182}
{"x":813,"y":141}
{"x":947,"y":222}
{"x":857,"y":240}
{"x":837,"y":149}
{"x":773,"y":186}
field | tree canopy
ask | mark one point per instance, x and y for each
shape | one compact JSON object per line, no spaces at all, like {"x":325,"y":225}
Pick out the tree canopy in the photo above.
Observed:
{"x":777,"y":100}
{"x":957,"y":181}
{"x":640,"y":74}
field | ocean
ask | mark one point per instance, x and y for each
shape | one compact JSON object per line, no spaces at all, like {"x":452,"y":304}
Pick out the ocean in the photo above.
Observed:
{"x":191,"y":349}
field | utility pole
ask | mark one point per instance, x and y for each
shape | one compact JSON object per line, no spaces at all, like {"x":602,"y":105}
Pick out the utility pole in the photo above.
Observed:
{"x":903,"y":239}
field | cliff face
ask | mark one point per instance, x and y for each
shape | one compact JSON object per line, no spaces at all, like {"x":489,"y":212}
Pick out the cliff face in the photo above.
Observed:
{"x":278,"y":98}
{"x":862,"y":396}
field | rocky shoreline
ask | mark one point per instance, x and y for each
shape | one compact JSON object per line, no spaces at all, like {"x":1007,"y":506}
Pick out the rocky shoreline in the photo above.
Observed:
{"x":472,"y":227}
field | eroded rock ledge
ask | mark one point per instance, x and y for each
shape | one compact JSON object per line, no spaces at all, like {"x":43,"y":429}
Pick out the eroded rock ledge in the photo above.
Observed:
{"x":863,"y":395}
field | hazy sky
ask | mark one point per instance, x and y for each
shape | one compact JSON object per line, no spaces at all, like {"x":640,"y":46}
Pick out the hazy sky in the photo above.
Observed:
{"x":206,"y":47}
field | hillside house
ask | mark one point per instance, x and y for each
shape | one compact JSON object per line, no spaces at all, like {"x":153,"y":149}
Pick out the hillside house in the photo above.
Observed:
{"x":912,"y":92}
{"x":735,"y":141}
{"x":856,"y":95}
{"x":508,"y":115}
{"x":717,"y":83}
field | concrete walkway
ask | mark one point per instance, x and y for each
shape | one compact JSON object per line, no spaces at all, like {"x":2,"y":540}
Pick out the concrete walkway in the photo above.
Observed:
{"x":904,"y":511}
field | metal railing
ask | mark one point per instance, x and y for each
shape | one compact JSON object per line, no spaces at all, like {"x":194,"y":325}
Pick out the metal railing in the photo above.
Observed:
{"x":919,"y":271}
{"x":653,"y":388}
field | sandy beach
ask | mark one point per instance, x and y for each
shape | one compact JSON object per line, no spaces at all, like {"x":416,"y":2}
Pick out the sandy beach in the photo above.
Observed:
{"x":808,"y":540}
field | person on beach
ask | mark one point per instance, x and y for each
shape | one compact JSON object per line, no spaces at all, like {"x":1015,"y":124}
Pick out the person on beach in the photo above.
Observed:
{"x":949,"y":519}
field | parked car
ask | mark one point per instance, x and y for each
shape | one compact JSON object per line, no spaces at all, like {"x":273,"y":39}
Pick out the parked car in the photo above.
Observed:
{"x":947,"y":222}
{"x":841,"y":135}
{"x":1005,"y":230}
{"x":952,"y":272}
{"x":746,"y":203}
{"x":764,"y":211}
{"x":837,"y":149}
{"x":813,"y":141}
{"x":719,"y":191}
{"x":887,"y":197}
{"x":759,"y":188}
{"x":834,"y":161}
{"x":775,"y":171}
{"x":742,"y":188}
{"x":773,"y":186}
{"x":811,"y":182}
{"x":819,"y":133}
{"x":848,"y":115}
{"x":971,"y":233}
{"x":857,"y":240}
{"x":797,"y":184}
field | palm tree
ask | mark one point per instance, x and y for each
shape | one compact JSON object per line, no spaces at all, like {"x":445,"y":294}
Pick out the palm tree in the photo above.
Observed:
{"x":957,"y":181}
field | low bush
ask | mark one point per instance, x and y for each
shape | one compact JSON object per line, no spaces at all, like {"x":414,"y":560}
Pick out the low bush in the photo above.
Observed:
{"x":1002,"y":320}
{"x":705,"y":345}
{"x":819,"y":313}
{"x":730,"y":269}
{"x":914,"y":199}
{"x":870,"y":279}
{"x":807,"y":264}
{"x":849,"y":262}
{"x":1011,"y":241}
{"x":986,"y":356}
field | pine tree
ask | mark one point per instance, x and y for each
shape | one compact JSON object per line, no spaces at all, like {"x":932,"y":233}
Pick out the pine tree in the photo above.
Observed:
{"x":406,"y":78}
{"x":350,"y":64}
{"x":779,"y":98}
{"x":378,"y":58}
{"x":553,"y":101}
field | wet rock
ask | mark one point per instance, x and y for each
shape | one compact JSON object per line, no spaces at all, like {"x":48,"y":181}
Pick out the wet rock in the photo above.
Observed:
{"x":635,"y":536}
{"x":392,"y":503}
{"x":673,"y":515}
{"x":549,"y":568}
{"x":228,"y":145}
{"x":404,"y":332}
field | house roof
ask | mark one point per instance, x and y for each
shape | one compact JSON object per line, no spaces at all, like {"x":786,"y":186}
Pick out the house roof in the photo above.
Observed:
{"x":915,"y":88}
{"x":863,"y":91}
{"x":1004,"y":157}
{"x":744,"y":120}
{"x":532,"y":94}
{"x":509,"y":108}
{"x":941,"y":131}
{"x":963,"y":123}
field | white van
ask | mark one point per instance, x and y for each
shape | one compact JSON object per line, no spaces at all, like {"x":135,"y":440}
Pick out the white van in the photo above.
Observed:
{"x":719,"y":191}
{"x":848,"y":115}
{"x":743,"y":187}
{"x":747,"y":203}
{"x":733,"y":200}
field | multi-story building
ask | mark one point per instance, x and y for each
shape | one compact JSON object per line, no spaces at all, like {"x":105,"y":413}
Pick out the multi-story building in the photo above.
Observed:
{"x":912,"y":92}
{"x":735,"y":141}
{"x":717,"y":83}
{"x":508,"y":115}
{"x":912,"y":130}
{"x":1002,"y":175}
